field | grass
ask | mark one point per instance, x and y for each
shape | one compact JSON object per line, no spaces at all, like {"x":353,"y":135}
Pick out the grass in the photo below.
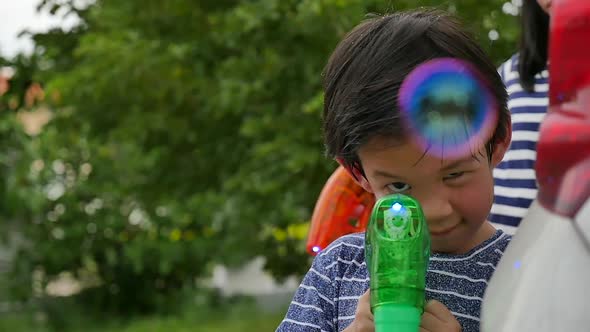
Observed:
{"x":246,"y":323}
{"x":18,"y":322}
{"x":237,"y":317}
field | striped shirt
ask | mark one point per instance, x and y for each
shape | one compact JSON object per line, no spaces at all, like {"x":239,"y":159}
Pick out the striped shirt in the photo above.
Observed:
{"x":327,"y":298}
{"x":515,"y":183}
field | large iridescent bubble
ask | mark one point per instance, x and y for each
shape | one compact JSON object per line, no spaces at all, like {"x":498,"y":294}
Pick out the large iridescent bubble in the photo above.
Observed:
{"x":448,"y":107}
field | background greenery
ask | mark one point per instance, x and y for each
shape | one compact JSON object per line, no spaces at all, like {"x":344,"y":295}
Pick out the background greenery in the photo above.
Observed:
{"x":184,"y":134}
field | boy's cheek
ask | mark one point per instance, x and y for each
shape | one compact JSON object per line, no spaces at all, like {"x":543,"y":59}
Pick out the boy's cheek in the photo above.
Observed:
{"x":475,"y":202}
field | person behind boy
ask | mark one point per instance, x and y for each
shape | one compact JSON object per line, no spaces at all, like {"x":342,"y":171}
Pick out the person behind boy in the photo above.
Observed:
{"x":363,"y":130}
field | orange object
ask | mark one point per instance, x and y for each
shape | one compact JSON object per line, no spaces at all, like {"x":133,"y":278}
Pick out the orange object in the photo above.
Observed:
{"x":343,"y":207}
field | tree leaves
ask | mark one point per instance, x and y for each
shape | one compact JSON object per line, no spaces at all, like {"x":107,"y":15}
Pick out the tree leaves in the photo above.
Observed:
{"x":191,"y":133}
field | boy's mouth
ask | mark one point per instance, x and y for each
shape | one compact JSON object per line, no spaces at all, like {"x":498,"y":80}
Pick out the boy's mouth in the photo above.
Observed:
{"x":444,"y":231}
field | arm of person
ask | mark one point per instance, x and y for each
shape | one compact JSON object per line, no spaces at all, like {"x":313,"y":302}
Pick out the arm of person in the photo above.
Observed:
{"x":312,"y":307}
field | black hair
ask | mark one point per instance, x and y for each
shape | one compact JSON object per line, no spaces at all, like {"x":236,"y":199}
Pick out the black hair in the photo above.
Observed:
{"x":533,"y":43}
{"x":364,"y":74}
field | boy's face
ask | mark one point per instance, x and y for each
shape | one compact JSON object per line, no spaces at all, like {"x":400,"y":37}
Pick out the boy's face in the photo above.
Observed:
{"x":456,"y":194}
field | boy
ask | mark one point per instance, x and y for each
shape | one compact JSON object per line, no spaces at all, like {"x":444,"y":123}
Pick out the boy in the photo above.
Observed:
{"x":363,"y":131}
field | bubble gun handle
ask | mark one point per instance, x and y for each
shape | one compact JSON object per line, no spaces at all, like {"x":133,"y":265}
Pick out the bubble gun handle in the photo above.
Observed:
{"x":397,"y":250}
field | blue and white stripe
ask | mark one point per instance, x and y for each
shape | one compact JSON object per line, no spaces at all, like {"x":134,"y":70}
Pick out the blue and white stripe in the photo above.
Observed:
{"x":515,"y":183}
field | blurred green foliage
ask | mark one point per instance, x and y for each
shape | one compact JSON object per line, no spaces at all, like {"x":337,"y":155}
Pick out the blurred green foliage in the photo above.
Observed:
{"x":240,"y":315}
{"x":183,"y":134}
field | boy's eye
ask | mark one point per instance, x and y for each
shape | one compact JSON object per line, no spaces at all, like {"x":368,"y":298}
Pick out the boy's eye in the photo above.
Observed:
{"x":454,"y":175}
{"x":398,"y":187}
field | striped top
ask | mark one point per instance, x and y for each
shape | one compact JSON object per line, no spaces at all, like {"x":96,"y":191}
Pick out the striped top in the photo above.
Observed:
{"x":515,"y":184}
{"x":327,"y":298}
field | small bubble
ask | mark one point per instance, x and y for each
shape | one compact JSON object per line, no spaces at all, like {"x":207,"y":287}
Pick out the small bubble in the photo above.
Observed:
{"x":89,"y":209}
{"x":86,"y":169}
{"x":60,"y":209}
{"x":493,"y":35}
{"x":52,"y":216}
{"x":38,"y":165}
{"x":58,"y":233}
{"x":162,"y":211}
{"x":136,"y":217}
{"x":55,"y":191}
{"x":97,"y":203}
{"x":58,"y":167}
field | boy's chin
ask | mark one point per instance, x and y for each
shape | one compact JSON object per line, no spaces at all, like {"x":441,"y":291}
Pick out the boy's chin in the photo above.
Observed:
{"x":444,"y":247}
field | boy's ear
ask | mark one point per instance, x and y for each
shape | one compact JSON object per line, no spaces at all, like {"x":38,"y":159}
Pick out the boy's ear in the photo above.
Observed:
{"x":356,"y":175}
{"x":365,"y":184}
{"x":501,"y":146}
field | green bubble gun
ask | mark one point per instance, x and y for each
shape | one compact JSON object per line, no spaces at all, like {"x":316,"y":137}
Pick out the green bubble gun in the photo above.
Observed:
{"x":397,"y":250}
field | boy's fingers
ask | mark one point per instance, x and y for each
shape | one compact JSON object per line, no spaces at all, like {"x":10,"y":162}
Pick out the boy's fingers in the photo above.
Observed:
{"x":364,"y":306}
{"x":363,"y":320}
{"x":366,"y":297}
{"x":439,"y":311}
{"x":437,"y":317}
{"x":429,"y":322}
{"x":365,"y":325}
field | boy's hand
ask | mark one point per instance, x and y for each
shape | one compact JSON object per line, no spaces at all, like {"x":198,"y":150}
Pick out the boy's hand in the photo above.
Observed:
{"x":363,"y":318}
{"x":437,"y":318}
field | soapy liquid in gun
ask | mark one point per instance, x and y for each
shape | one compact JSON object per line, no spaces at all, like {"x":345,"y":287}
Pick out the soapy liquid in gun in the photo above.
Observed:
{"x":397,"y":250}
